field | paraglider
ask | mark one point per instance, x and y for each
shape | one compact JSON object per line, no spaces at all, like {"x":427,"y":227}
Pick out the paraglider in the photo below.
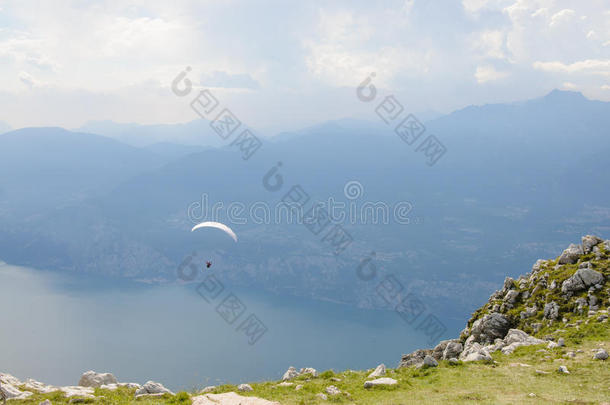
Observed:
{"x":217,"y":225}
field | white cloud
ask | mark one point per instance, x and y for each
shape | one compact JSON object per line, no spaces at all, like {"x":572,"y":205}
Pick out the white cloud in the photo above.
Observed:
{"x":25,"y":49}
{"x":488,"y":73}
{"x":593,"y":66}
{"x":562,"y":17}
{"x":490,"y":44}
{"x":476,"y":6}
{"x":121,"y":55}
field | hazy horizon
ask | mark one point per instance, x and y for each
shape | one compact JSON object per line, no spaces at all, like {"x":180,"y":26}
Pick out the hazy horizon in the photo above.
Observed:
{"x":282,"y":66}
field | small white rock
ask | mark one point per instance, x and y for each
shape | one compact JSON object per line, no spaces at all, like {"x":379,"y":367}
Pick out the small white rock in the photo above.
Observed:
{"x":332,"y":390}
{"x":563,"y":370}
{"x":380,"y":381}
{"x":244,"y":388}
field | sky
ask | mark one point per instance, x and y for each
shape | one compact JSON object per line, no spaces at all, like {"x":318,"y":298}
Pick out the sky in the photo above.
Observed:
{"x":283,"y":65}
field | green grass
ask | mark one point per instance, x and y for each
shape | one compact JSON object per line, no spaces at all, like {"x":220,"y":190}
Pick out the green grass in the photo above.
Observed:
{"x":504,"y":381}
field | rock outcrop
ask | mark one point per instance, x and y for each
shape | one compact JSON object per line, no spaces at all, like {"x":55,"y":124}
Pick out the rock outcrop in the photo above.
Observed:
{"x":581,"y":280}
{"x":378,"y":372}
{"x":293,"y":373}
{"x":96,"y":380}
{"x":490,"y":327}
{"x":529,"y":303}
{"x":152,"y":387}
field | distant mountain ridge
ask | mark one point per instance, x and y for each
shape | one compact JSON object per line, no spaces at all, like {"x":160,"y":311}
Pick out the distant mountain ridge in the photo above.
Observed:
{"x":193,"y":133}
{"x":510,"y":186}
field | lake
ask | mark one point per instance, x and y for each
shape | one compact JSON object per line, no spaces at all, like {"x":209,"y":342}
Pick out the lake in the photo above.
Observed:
{"x":55,"y":326}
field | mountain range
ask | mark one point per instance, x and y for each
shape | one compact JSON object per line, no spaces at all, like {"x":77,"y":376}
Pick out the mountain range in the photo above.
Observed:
{"x":517,"y":182}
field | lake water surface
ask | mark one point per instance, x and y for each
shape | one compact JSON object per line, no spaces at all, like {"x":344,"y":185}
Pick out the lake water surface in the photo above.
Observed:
{"x":56,"y":326}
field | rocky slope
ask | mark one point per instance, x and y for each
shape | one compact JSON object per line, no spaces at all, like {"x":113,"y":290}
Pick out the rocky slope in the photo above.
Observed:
{"x":556,"y":295}
{"x":555,"y":317}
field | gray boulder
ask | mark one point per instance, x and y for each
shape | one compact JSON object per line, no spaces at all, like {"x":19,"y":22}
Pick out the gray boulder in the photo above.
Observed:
{"x":580,"y":305}
{"x":290,"y":374}
{"x":589,"y":241}
{"x":582,"y":279}
{"x":438,"y":350}
{"x":490,"y":327}
{"x":511,"y":298}
{"x":429,"y":361}
{"x":453,"y":349}
{"x":332,"y":390}
{"x":601,"y":354}
{"x":508,"y":284}
{"x":475,"y":352}
{"x":571,"y":254}
{"x":551,"y":310}
{"x":529,"y":312}
{"x":415,"y":358}
{"x":590,"y":277}
{"x":308,"y":370}
{"x":152,"y":387}
{"x":96,"y":380}
{"x":516,"y":338}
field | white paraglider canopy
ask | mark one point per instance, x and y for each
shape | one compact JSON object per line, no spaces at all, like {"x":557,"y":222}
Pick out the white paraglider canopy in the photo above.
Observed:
{"x":217,"y":225}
